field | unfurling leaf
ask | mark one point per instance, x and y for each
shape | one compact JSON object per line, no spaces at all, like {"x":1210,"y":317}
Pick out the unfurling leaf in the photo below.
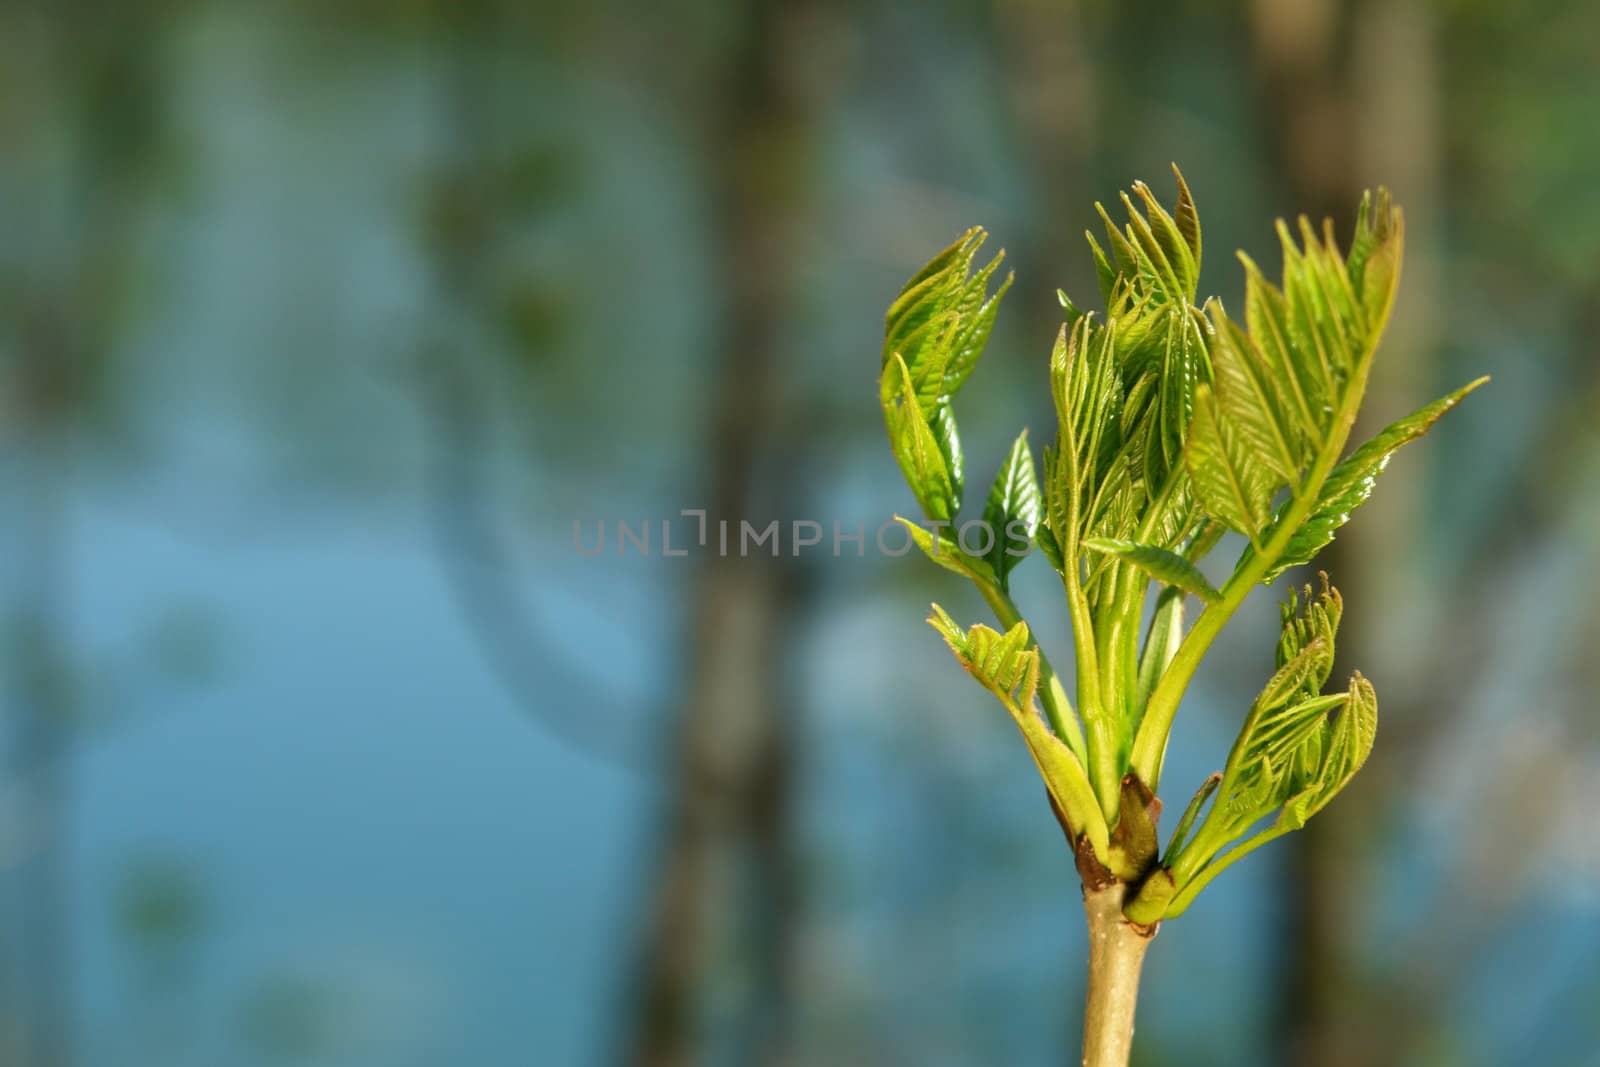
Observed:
{"x":921,"y":459}
{"x":941,"y":321}
{"x":1337,"y":752}
{"x":1250,"y":397}
{"x":946,"y":552}
{"x":1160,"y":564}
{"x":1297,"y":748}
{"x":1233,"y":486}
{"x":1375,"y":254}
{"x":1008,"y":666}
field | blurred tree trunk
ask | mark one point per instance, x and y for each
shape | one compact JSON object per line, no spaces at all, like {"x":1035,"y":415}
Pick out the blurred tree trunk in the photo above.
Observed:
{"x":38,"y":781}
{"x":1051,"y":83}
{"x":1348,"y":93}
{"x":713,"y":974}
{"x":99,"y":81}
{"x":713,"y":964}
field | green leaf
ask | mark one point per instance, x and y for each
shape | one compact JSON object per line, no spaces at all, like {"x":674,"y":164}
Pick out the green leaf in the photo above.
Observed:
{"x":1187,"y":219}
{"x":946,"y":552}
{"x":1174,"y":246}
{"x":915,"y":447}
{"x":1302,"y":380}
{"x":976,"y":324}
{"x":1160,"y":564}
{"x":927,"y":297}
{"x":1257,"y":779}
{"x":1376,"y":254}
{"x":1185,"y":364}
{"x":1329,"y":330}
{"x":1304,"y":621}
{"x":1169,"y":277}
{"x":1351,"y":482}
{"x":1341,"y":748}
{"x":940,"y":323}
{"x":1232,"y":487}
{"x":1129,"y":263}
{"x":1105,"y":274}
{"x":1249,"y":395}
{"x":1013,"y":498}
{"x":1049,"y":547}
{"x":1161,"y":643}
{"x":943,"y":425}
{"x":1296,"y":749}
{"x":1088,"y":396}
{"x":1005,"y":665}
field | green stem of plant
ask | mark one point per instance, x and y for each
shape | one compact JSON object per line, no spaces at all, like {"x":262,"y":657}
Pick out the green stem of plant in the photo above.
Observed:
{"x":1150,"y":746}
{"x":1057,"y":708}
{"x":1116,"y":956}
{"x":1180,"y":903}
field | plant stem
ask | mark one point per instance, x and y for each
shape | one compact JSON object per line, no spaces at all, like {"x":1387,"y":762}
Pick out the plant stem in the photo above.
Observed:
{"x":1116,"y":955}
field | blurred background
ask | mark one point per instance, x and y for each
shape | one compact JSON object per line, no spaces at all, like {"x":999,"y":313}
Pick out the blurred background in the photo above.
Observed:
{"x":323,"y":324}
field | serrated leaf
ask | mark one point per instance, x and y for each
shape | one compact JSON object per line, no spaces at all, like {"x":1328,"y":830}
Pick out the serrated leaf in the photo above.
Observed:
{"x":1231,"y":485}
{"x":976,"y":324}
{"x":1326,"y":319}
{"x":1304,"y":382}
{"x":1008,"y":667}
{"x":945,"y":434}
{"x":927,"y":297}
{"x":1258,"y":776}
{"x":1342,"y":748}
{"x":1173,"y":245}
{"x":1250,"y":397}
{"x":940,"y":323}
{"x":1001,"y":663}
{"x":1376,"y":253}
{"x":947,"y":553}
{"x":1123,"y":251}
{"x":915,"y":446}
{"x":1351,"y":482}
{"x":1013,"y":498}
{"x":1187,"y":218}
{"x":1160,"y":564}
{"x":1168,"y":277}
{"x":1105,"y":274}
{"x":1049,"y":547}
{"x":1185,"y":365}
{"x":1306,"y":619}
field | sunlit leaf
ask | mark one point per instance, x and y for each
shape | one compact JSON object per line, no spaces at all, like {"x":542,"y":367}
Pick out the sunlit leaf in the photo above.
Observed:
{"x":1250,"y":397}
{"x":946,"y":436}
{"x":1014,"y":506}
{"x":946,"y":552}
{"x":1008,"y":667}
{"x":941,"y":321}
{"x":1160,"y":564}
{"x":1233,"y":487}
{"x":1352,"y":481}
{"x":915,"y":446}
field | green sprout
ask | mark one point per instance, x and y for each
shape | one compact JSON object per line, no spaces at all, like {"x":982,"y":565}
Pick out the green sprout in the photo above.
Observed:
{"x":1176,"y":424}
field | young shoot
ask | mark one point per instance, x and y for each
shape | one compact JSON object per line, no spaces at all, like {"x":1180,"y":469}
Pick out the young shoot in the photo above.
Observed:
{"x":1175,"y":423}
